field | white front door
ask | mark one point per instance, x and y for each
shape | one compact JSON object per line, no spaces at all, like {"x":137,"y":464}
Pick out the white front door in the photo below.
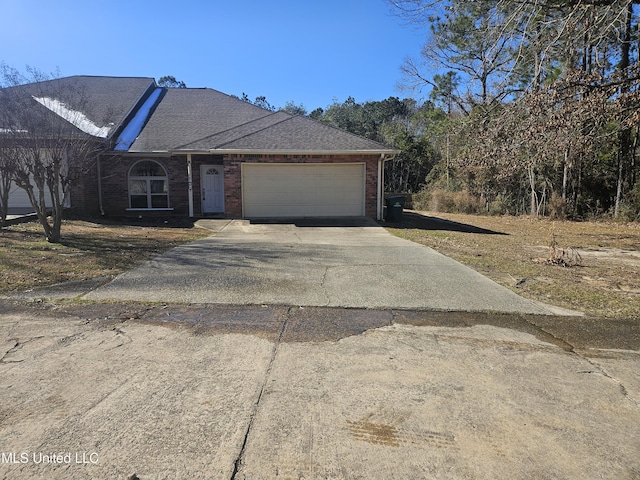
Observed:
{"x":212,"y":188}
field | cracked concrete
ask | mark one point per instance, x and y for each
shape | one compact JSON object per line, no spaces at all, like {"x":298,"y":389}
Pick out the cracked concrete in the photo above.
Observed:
{"x":238,"y":384}
{"x":600,"y":370}
{"x":252,"y":392}
{"x":10,"y":346}
{"x":238,"y":463}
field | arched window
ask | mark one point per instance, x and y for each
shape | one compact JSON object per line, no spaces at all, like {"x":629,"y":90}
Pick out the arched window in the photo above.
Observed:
{"x":148,"y":185}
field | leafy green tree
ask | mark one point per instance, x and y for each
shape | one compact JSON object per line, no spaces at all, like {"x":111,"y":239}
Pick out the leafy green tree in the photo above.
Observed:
{"x":294,"y":109}
{"x":398,"y":123}
{"x":169,"y":81}
{"x":317,"y":113}
{"x":465,"y":39}
{"x":444,"y":90}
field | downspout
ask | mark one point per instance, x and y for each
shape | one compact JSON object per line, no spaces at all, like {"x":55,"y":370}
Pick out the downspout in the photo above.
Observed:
{"x":190,"y":180}
{"x":380,"y":182}
{"x":100,"y":204}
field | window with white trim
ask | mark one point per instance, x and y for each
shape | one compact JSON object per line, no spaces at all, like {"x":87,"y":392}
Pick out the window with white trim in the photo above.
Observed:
{"x":148,"y":185}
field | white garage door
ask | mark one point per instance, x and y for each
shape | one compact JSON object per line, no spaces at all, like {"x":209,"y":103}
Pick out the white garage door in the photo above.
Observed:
{"x":303,"y":190}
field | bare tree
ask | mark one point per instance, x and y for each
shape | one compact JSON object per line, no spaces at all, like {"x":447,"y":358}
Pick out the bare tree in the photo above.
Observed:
{"x":562,"y":81}
{"x":50,"y":141}
{"x":542,"y":136}
{"x":6,"y":171}
{"x":6,"y":168}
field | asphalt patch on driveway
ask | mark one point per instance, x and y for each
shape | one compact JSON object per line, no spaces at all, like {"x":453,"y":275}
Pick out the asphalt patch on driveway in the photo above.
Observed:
{"x":320,"y":324}
{"x":266,"y":391}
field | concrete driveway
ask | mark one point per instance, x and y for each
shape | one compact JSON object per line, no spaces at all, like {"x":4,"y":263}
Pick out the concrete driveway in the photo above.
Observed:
{"x":361,"y":266}
{"x":122,"y":391}
{"x":140,"y":390}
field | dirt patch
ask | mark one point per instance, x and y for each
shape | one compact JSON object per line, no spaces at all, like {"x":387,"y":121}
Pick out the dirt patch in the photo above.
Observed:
{"x":601,"y":274}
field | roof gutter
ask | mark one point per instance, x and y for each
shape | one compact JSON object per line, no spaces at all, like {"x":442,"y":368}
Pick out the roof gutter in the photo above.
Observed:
{"x":383,"y":158}
{"x":391,"y":152}
{"x":257,"y":152}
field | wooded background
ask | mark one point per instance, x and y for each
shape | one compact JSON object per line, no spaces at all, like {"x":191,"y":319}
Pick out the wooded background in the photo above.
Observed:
{"x":513,"y":107}
{"x":525,"y":106}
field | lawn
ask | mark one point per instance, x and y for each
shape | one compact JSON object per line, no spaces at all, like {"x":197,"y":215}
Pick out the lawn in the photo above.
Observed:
{"x":594,"y":267}
{"x":87,"y":250}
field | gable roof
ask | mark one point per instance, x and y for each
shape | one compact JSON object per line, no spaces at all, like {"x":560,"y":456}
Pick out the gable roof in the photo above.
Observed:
{"x":185,"y":115}
{"x":205,"y":120}
{"x":95,"y":106}
{"x":137,"y":116}
{"x":300,"y":134}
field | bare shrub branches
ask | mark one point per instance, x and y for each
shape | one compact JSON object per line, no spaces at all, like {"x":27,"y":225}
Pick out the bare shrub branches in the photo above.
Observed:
{"x":48,"y":142}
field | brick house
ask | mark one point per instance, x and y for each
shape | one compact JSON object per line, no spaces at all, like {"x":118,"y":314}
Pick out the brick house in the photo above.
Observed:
{"x":198,"y":152}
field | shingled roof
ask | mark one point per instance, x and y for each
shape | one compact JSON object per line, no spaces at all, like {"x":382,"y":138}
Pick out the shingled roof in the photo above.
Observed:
{"x":96,"y":106}
{"x":137,"y":116}
{"x":205,"y":120}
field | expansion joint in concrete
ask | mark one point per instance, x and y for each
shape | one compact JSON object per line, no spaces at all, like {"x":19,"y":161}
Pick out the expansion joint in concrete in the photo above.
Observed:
{"x":256,"y":404}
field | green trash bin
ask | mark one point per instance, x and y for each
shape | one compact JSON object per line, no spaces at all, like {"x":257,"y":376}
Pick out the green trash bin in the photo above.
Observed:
{"x":394,"y":205}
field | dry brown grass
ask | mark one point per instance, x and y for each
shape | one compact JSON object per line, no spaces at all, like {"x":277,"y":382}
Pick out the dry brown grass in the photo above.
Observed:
{"x":602,"y":276}
{"x":593,"y":267}
{"x":87,"y":250}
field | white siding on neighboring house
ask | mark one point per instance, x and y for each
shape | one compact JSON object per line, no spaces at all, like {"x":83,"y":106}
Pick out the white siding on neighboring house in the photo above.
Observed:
{"x":19,"y":201}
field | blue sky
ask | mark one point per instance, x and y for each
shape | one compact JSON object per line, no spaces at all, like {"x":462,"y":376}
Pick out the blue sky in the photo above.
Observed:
{"x":306,"y":51}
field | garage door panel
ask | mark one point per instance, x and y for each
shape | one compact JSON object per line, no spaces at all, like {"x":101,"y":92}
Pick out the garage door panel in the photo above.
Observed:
{"x":303,"y":190}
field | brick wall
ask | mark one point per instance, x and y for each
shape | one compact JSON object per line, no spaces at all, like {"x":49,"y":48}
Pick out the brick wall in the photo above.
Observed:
{"x":115,"y":170}
{"x":84,"y":191}
{"x":233,"y":178}
{"x":115,"y":185}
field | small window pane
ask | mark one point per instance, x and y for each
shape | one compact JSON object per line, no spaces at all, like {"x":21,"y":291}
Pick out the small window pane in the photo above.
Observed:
{"x":159,"y":201}
{"x":148,"y":185}
{"x":158,"y":186}
{"x":139,"y":201}
{"x":147,"y":169}
{"x":137,"y":187}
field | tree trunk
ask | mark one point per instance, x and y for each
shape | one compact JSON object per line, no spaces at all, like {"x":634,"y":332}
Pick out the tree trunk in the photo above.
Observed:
{"x":565,"y":175}
{"x":5,"y":185}
{"x":633,"y":166}
{"x":41,"y":211}
{"x":624,"y":139}
{"x":616,"y":209}
{"x":534,"y":195}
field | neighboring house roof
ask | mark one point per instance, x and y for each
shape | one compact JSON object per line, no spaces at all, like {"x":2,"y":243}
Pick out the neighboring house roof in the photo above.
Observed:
{"x":96,"y":106}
